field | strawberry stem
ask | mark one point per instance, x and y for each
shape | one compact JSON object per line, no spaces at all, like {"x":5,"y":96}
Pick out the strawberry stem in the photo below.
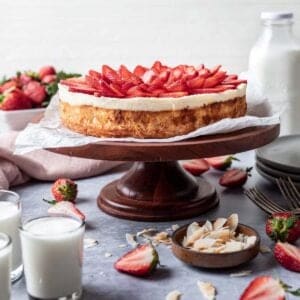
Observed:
{"x":287,"y":288}
{"x":52,"y":202}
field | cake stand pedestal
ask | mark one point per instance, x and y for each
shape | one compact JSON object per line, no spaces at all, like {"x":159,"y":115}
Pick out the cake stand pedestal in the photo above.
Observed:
{"x":157,"y":188}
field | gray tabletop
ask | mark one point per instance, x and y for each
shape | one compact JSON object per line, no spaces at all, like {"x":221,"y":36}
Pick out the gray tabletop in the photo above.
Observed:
{"x":101,"y":281}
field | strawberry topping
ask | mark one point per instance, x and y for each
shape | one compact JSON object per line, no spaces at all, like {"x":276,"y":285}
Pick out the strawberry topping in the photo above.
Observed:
{"x":157,"y":81}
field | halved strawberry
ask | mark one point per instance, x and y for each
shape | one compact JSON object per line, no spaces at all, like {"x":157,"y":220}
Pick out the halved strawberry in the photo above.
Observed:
{"x":214,"y":80}
{"x":116,"y":90}
{"x":204,"y":72}
{"x":35,"y":91}
{"x":173,"y":94}
{"x":157,"y":67}
{"x":215,"y":69}
{"x":195,"y":83}
{"x":231,"y":77}
{"x":95,"y":74}
{"x":235,"y":177}
{"x":140,"y":261}
{"x":288,"y":256}
{"x":148,"y":76}
{"x":65,"y":208}
{"x":221,"y":162}
{"x":264,"y":288}
{"x":127,"y":76}
{"x":196,"y":166}
{"x":106,"y":89}
{"x":110,"y":74}
{"x":139,"y":71}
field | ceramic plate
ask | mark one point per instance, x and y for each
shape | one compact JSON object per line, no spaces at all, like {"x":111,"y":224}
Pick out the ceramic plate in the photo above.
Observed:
{"x":272,"y":178}
{"x":283,"y":153}
{"x":276,"y":172}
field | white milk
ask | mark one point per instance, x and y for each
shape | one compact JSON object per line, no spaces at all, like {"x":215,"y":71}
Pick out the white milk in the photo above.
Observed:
{"x":5,"y":266}
{"x":52,"y":256}
{"x":274,"y":62}
{"x":10,"y":220}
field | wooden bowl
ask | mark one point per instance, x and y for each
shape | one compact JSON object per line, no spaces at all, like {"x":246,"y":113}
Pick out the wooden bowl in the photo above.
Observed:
{"x":214,"y":260}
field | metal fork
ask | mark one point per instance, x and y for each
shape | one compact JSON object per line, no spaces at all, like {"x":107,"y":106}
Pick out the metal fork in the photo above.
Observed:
{"x":289,"y":192}
{"x":262,"y":201}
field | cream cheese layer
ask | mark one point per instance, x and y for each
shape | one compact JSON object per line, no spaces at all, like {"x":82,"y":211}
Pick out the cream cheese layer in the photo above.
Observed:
{"x":149,"y":103}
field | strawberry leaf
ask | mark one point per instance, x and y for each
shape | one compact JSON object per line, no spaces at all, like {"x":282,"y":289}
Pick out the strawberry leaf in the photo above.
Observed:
{"x":1,"y":98}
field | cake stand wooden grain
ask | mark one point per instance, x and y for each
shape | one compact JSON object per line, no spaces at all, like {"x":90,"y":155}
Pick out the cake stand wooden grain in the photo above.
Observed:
{"x":157,"y":188}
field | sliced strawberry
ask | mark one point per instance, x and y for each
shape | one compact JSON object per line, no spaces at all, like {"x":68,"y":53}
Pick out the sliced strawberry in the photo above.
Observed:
{"x":214,"y":80}
{"x":139,"y":71}
{"x":204,"y":73}
{"x":217,"y":89}
{"x":127,"y":76}
{"x":110,"y":74}
{"x":200,"y":67}
{"x":164,"y":75}
{"x":46,"y":70}
{"x":231,"y":77}
{"x":140,"y":261}
{"x":177,"y":86}
{"x":221,"y":162}
{"x":148,"y":76}
{"x":215,"y":69}
{"x":107,"y":90}
{"x":65,"y":208}
{"x":137,"y":91}
{"x":196,"y":166}
{"x":116,"y":90}
{"x":235,"y":82}
{"x":49,"y":78}
{"x":173,"y":94}
{"x":195,"y":83}
{"x":73,"y":81}
{"x":157,"y":92}
{"x":235,"y":177}
{"x":264,"y":288}
{"x":126,"y":86}
{"x":95,"y":74}
{"x":83,"y":89}
{"x":15,"y":100}
{"x":226,"y":86}
{"x":157,"y":67}
{"x":35,"y":91}
{"x":288,"y":256}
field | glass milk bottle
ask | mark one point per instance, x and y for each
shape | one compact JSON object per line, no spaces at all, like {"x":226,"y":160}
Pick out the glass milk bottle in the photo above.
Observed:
{"x":274,"y":64}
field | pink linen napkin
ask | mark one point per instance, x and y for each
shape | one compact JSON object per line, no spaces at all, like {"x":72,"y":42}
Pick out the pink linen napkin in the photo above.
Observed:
{"x":43,"y":165}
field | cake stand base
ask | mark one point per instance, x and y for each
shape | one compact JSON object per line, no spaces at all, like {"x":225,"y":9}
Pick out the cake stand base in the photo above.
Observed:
{"x":157,"y":191}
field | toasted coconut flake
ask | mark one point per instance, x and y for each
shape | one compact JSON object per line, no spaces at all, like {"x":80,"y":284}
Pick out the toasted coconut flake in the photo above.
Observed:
{"x":232,"y":246}
{"x":264,"y":249}
{"x":223,"y":235}
{"x":198,"y":234}
{"x":107,"y":254}
{"x":207,"y":226}
{"x":89,"y":243}
{"x":174,"y":227}
{"x":233,"y":221}
{"x":241,"y":273}
{"x":192,"y":228}
{"x":204,"y":244}
{"x":174,"y":295}
{"x":250,"y":241}
{"x":207,"y":290}
{"x":131,"y":240}
{"x":219,"y":223}
{"x":162,"y":237}
{"x":147,"y":232}
{"x":122,"y":246}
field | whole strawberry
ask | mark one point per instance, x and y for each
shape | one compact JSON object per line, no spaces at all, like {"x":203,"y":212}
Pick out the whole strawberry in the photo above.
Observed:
{"x":64,"y":189}
{"x":14,"y":100}
{"x":283,"y":226}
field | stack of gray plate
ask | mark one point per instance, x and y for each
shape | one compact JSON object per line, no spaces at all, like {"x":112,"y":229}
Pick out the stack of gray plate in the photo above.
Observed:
{"x":280,"y":159}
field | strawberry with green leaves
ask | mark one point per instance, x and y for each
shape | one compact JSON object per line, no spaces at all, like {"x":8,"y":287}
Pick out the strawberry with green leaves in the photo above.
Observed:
{"x":140,"y":261}
{"x":221,"y":162}
{"x":283,"y":226}
{"x":267,"y":288}
{"x":64,"y":189}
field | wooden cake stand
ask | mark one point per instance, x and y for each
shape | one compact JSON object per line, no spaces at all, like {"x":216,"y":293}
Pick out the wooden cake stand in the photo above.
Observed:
{"x":157,"y":188}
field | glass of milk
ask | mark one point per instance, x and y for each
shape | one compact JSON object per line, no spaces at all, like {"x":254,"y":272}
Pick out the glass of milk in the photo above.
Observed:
{"x":5,"y":266}
{"x":52,"y":249}
{"x":10,"y":221}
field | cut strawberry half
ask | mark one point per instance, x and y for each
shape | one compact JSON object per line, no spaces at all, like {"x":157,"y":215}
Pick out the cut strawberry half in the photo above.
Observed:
{"x":195,"y":83}
{"x":221,"y":162}
{"x":65,"y":208}
{"x":127,"y":76}
{"x":137,"y":91}
{"x":204,"y":72}
{"x":288,"y":256}
{"x":82,"y":89}
{"x":264,"y":288}
{"x":235,"y":177}
{"x":138,"y":262}
{"x":157,"y":67}
{"x":196,"y":166}
{"x":214,"y":80}
{"x":94,"y":74}
{"x":177,"y":86}
{"x":215,"y":69}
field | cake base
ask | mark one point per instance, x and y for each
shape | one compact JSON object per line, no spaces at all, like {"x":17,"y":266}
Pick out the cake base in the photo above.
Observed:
{"x":157,"y":191}
{"x":100,"y":122}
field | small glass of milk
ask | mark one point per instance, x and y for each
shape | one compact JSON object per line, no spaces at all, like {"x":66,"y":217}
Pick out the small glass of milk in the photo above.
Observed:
{"x":5,"y":266}
{"x":10,"y":220}
{"x":52,"y":249}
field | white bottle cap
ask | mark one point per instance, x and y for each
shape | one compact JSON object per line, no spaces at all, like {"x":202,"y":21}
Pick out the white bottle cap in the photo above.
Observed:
{"x":273,"y":15}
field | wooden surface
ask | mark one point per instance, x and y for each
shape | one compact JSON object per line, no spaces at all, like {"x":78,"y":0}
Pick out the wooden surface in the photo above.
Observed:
{"x":212,"y":260}
{"x":160,"y":191}
{"x":205,"y":146}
